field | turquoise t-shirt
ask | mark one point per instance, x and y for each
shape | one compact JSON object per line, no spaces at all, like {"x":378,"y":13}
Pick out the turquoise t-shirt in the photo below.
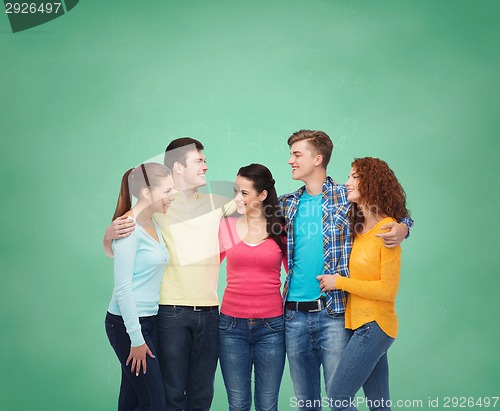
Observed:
{"x":308,"y":260}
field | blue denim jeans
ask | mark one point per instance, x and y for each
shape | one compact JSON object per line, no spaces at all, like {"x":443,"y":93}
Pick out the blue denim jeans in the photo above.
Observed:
{"x":244,"y":343}
{"x":145,"y":391}
{"x":364,"y":363}
{"x":313,"y":339}
{"x":188,"y":352}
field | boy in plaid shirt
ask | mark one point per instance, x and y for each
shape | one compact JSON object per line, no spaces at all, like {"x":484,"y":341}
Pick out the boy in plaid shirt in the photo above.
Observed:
{"x":319,"y":242}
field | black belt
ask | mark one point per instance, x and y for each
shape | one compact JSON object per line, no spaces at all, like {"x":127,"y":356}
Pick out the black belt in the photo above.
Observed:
{"x":308,"y":306}
{"x":198,"y":307}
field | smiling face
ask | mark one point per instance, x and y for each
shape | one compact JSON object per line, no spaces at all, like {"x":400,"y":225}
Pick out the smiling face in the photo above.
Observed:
{"x":247,"y":199}
{"x":352,"y":183}
{"x":303,"y":160}
{"x":196,"y":167}
{"x":162,"y":195}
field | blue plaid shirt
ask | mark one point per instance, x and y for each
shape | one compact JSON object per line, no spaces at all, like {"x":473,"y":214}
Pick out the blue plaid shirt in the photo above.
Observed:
{"x":337,"y":237}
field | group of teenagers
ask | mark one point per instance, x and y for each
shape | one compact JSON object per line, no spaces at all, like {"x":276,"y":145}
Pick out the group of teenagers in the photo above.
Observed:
{"x":338,"y":243}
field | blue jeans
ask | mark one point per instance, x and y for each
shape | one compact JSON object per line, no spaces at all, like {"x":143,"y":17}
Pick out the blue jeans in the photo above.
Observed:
{"x":313,"y":339}
{"x":145,"y":391}
{"x":364,"y":363}
{"x":188,"y":352}
{"x":244,"y":343}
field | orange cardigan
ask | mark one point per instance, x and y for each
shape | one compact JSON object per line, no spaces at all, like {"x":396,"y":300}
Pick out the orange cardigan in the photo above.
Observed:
{"x":373,"y":282}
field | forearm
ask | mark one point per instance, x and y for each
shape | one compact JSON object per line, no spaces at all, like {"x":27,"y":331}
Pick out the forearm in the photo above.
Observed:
{"x":383,"y":288}
{"x":128,"y":311}
{"x":125,"y":251}
{"x":107,"y":247}
{"x":125,"y":298}
{"x":408,"y":222}
{"x":374,"y":290}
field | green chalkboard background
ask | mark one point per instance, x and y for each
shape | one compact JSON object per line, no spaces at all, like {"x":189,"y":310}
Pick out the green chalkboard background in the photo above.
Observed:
{"x":108,"y":85}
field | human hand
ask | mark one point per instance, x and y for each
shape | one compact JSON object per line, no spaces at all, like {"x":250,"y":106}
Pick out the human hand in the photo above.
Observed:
{"x":394,"y":237}
{"x":327,"y":282}
{"x":121,"y":227}
{"x":138,"y":357}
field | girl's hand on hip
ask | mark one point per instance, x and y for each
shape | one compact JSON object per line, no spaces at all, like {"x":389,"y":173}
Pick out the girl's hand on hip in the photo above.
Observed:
{"x":138,"y":358}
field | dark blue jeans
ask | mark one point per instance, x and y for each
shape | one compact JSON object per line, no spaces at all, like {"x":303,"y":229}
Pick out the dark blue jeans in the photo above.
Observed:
{"x":143,"y":392}
{"x":364,"y":363}
{"x":188,"y":352}
{"x":244,"y":343}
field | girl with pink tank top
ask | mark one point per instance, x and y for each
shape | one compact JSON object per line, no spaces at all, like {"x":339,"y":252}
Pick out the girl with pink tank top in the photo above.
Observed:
{"x":251,"y":326}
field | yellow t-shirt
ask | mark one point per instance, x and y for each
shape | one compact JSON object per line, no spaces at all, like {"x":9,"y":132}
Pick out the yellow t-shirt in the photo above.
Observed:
{"x":190,"y":229}
{"x":373,"y":283}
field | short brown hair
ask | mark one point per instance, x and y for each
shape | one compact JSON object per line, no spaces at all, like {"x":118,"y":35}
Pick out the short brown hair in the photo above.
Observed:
{"x":178,"y":149}
{"x":318,"y":140}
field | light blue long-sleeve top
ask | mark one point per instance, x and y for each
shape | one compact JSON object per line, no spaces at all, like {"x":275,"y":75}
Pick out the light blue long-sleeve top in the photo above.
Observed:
{"x":139,"y":264}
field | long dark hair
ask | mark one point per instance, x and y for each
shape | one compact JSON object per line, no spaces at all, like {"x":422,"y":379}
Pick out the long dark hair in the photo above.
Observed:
{"x":380,"y":191}
{"x":134,"y":180}
{"x":262,"y":179}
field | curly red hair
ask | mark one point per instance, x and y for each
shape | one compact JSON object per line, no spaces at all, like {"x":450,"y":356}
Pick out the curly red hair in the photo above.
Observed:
{"x":379,"y":189}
